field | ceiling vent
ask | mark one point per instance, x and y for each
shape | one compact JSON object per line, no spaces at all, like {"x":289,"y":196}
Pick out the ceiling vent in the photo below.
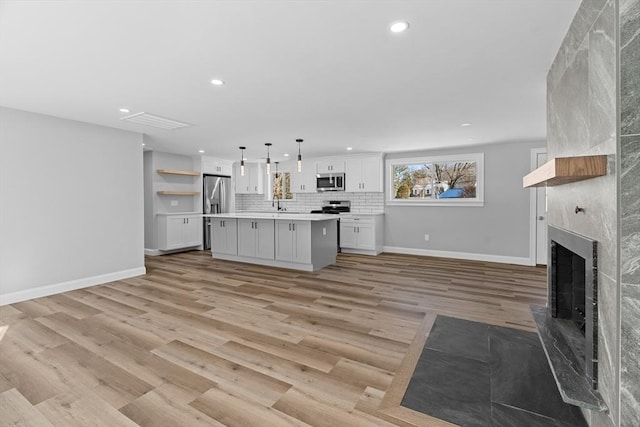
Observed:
{"x":155,"y":121}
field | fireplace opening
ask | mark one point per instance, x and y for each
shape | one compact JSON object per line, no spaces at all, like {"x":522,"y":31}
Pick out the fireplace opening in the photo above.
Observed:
{"x":573,"y":296}
{"x":568,"y":325}
{"x":569,"y":280}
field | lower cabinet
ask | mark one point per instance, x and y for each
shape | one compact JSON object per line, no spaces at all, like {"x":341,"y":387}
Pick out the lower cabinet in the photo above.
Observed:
{"x":256,"y":238}
{"x":362,"y":234}
{"x":224,"y":236}
{"x":179,"y":231}
{"x":293,"y":241}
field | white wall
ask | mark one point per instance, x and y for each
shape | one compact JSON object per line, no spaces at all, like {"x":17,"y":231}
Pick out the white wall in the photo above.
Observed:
{"x":497,"y":231}
{"x":71,"y":205}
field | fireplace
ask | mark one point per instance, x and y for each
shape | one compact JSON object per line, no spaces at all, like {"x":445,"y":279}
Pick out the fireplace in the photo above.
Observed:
{"x":573,"y":294}
{"x":568,"y":326}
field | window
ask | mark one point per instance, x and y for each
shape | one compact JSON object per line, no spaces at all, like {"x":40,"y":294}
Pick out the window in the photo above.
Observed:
{"x":281,"y":182}
{"x":445,"y":180}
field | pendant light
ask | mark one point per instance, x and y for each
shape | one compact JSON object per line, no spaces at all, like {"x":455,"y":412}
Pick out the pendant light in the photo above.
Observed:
{"x":268,"y":144}
{"x":299,"y":156}
{"x":242,"y":160}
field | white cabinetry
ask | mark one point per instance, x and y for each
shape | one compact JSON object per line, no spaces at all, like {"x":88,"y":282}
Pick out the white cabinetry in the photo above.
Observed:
{"x":361,"y":234}
{"x":256,"y":238}
{"x":293,"y":241}
{"x":252,"y":182}
{"x":179,"y":231}
{"x":224,"y":236}
{"x":364,"y":174}
{"x":330,"y":166}
{"x":211,"y":165}
{"x":305,"y":181}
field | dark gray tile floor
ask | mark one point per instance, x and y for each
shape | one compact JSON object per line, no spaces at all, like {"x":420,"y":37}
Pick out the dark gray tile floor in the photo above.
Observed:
{"x":473,"y":374}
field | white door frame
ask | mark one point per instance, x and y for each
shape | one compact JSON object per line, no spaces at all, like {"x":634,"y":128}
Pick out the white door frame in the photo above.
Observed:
{"x":533,"y":216}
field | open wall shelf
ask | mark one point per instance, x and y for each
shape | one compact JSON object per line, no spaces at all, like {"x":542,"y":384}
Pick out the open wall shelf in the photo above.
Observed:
{"x":178,"y":172}
{"x":563,"y":170}
{"x":178,"y":193}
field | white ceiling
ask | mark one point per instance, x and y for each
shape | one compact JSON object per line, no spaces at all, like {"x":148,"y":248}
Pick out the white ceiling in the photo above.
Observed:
{"x":326,"y":71}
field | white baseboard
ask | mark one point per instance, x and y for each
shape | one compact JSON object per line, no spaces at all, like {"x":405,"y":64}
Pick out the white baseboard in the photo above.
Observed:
{"x":460,"y":255}
{"x":152,"y":252}
{"x":57,"y":288}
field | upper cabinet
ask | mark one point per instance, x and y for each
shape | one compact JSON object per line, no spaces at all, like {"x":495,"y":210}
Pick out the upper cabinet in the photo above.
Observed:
{"x":304,"y":181}
{"x":211,"y":165}
{"x":364,"y":174}
{"x":330,"y":166}
{"x":253,"y":180}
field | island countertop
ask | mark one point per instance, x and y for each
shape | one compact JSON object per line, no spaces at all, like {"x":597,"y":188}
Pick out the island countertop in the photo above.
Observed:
{"x":275,"y":215}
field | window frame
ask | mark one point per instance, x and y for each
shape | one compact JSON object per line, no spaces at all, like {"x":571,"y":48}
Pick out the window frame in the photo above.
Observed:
{"x":270,"y":179}
{"x":478,"y":158}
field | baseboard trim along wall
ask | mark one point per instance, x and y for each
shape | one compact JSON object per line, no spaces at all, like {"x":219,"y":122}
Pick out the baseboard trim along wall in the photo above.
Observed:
{"x":152,"y":252}
{"x":72,"y":285}
{"x":460,"y":255}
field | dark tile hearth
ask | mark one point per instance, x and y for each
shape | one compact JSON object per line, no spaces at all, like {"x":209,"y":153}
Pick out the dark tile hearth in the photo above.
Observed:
{"x":473,"y":374}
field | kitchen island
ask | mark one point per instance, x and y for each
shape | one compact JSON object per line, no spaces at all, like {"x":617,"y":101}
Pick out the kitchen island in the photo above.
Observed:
{"x":306,"y":242}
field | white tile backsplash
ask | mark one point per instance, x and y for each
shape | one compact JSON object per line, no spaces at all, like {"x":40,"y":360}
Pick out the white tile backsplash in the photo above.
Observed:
{"x":306,"y":202}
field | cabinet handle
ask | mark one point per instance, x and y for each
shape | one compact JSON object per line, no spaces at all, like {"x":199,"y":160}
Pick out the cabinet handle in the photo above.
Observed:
{"x":256,"y":225}
{"x":294,"y":227}
{"x":289,"y":226}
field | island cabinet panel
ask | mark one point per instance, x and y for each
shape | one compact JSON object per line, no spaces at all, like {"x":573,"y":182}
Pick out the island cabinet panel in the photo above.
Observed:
{"x":224,"y":236}
{"x":293,"y":241}
{"x":256,"y":238}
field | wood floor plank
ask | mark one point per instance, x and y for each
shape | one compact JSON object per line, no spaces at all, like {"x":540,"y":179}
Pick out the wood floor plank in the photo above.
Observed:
{"x":235,"y":411}
{"x":201,"y":341}
{"x":81,"y":407}
{"x":320,"y":414}
{"x":257,"y":386}
{"x":158,"y":409}
{"x":18,"y":411}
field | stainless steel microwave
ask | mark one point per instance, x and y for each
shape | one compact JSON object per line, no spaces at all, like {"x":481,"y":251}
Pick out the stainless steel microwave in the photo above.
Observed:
{"x":330,"y":182}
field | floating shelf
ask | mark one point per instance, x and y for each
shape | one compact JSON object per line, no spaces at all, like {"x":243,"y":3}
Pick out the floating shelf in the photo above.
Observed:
{"x":563,"y":170}
{"x":178,"y":193}
{"x":178,"y":172}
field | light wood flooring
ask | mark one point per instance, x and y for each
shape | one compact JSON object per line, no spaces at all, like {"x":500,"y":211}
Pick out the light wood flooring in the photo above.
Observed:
{"x":204,"y":342}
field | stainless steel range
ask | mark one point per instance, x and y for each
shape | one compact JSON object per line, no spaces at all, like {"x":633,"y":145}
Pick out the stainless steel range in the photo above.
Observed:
{"x":335,"y":207}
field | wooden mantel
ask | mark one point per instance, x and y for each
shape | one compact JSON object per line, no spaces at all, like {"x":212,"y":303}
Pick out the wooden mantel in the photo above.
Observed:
{"x":563,"y":170}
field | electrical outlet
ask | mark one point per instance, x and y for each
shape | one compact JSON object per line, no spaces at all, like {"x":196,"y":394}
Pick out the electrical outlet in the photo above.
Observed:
{"x":426,"y":237}
{"x":324,"y":231}
{"x":174,"y":203}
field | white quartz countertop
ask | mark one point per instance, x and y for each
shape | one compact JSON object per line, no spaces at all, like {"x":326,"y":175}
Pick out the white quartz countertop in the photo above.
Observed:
{"x":178,"y":213}
{"x":274,"y":215}
{"x":352,"y":214}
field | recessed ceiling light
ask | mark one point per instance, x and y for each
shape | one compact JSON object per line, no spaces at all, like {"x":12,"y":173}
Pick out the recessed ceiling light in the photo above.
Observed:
{"x":201,"y":151}
{"x":399,"y":27}
{"x":143,"y":144}
{"x":286,"y":154}
{"x":217,"y":82}
{"x":465,"y":124}
{"x":124,"y":110}
{"x":349,"y":148}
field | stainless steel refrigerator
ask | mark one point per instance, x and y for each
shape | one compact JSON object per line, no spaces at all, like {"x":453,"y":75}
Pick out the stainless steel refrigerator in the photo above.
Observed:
{"x":216,"y":192}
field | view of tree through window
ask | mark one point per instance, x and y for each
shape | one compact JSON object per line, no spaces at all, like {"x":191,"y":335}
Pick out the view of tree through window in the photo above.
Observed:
{"x":279,"y":179}
{"x":435,"y":180}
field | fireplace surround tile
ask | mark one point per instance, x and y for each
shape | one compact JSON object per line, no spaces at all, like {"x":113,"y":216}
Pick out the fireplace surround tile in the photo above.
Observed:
{"x":630,"y":375}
